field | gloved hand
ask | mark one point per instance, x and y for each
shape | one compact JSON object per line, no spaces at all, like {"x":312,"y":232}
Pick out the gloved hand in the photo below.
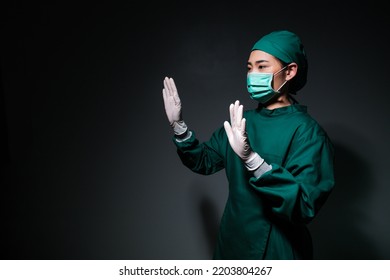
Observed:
{"x":171,"y":101}
{"x":172,"y":105}
{"x":238,"y":138}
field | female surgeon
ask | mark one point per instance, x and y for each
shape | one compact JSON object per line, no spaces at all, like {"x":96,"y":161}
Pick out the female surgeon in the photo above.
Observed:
{"x":278,"y":160}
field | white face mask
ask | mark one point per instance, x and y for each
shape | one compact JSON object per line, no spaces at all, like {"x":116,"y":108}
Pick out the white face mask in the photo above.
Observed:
{"x":260,"y":85}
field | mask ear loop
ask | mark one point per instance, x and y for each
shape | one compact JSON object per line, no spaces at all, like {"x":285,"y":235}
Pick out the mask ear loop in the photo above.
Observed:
{"x":281,"y":86}
{"x":280,"y":70}
{"x":278,"y":93}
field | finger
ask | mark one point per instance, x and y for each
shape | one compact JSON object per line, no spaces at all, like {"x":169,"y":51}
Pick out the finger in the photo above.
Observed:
{"x":228,"y":130}
{"x":243,"y":125}
{"x":169,"y":83}
{"x":175,"y":93}
{"x":236,"y":116}
{"x":164,"y":81}
{"x":231,"y":110}
{"x":172,"y":84}
{"x":166,"y":86}
{"x":164,"y":94}
{"x":167,"y":102}
{"x":239,"y":114}
{"x":166,"y":97}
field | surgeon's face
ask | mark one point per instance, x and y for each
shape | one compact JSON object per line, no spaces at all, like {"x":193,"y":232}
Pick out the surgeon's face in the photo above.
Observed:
{"x":263,"y":62}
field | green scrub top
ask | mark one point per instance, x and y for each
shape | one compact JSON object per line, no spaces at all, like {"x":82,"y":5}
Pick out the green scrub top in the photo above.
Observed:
{"x":266,"y":217}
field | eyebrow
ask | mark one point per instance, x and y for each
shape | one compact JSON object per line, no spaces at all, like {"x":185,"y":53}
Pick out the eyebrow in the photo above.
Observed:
{"x":257,"y":61}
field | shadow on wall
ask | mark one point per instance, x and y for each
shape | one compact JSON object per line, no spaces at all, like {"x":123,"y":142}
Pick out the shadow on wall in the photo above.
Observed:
{"x":210,"y":221}
{"x":337,"y":230}
{"x":207,"y":212}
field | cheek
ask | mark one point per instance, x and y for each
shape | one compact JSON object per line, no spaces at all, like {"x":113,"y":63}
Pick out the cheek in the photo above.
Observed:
{"x":278,"y":81}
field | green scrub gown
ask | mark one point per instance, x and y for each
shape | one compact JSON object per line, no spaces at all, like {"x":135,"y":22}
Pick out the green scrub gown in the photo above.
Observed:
{"x":266,"y":217}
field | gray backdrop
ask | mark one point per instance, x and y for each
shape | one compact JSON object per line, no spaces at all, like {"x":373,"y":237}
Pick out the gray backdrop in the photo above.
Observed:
{"x":89,"y":167}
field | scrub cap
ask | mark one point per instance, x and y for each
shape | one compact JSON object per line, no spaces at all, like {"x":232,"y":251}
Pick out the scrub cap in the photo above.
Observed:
{"x":287,"y":47}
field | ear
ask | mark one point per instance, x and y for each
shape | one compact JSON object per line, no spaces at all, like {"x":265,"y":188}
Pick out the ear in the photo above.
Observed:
{"x":292,"y":70}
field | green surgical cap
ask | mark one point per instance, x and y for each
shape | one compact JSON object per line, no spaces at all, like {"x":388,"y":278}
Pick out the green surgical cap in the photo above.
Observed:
{"x":287,"y":47}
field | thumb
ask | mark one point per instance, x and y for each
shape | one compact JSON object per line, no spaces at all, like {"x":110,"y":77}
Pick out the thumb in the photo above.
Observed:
{"x":228,"y":130}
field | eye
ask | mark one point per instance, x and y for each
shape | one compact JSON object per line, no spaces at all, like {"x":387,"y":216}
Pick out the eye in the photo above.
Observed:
{"x":262,"y":67}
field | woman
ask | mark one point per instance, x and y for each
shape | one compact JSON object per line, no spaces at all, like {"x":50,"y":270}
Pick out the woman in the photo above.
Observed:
{"x":278,"y":160}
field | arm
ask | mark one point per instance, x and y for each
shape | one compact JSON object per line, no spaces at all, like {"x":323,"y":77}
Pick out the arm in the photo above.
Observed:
{"x":296,"y":191}
{"x":204,"y":158}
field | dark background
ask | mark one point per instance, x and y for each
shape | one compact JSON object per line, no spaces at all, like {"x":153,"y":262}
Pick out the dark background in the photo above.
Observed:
{"x":89,"y":167}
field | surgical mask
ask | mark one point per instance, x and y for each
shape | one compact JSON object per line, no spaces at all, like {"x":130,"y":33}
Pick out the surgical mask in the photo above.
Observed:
{"x":260,"y":86}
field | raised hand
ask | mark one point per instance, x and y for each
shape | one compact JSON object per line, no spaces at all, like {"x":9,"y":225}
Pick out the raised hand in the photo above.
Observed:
{"x":172,"y":101}
{"x":236,"y":132}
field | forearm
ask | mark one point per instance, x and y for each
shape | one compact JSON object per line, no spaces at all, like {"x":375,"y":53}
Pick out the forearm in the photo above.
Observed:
{"x":202,"y":158}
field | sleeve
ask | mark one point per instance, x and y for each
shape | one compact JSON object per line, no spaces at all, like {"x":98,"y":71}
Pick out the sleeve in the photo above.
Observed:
{"x":204,"y":158}
{"x":297,"y":190}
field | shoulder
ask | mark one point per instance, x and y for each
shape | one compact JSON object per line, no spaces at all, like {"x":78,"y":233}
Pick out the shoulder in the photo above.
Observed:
{"x":309,"y":130}
{"x":309,"y":125}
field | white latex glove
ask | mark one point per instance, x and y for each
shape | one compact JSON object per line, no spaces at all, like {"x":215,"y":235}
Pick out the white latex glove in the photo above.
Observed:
{"x":236,"y":132}
{"x":171,"y":101}
{"x":172,"y":106}
{"x":238,"y":138}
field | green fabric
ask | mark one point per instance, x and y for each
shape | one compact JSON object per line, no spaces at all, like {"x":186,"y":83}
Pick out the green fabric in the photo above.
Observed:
{"x":287,"y":47}
{"x":266,"y":218}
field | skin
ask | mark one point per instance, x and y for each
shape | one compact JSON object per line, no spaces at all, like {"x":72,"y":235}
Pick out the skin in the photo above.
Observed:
{"x":260,"y":61}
